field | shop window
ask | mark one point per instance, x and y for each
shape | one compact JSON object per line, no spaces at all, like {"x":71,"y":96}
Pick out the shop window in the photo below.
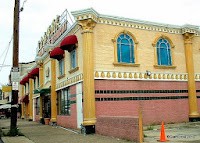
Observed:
{"x":63,"y":102}
{"x":61,"y":67}
{"x":38,"y":82}
{"x":38,"y":106}
{"x":25,"y":89}
{"x":28,"y":88}
{"x":125,"y":49}
{"x":164,"y":52}
{"x":34,"y":82}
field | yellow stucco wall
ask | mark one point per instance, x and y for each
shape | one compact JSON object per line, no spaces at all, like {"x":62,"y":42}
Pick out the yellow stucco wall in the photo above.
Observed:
{"x":104,"y":49}
{"x":196,"y":54}
{"x":67,"y":62}
{"x":47,"y":74}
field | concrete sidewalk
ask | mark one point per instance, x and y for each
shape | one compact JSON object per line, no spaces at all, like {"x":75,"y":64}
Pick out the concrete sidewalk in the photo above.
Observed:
{"x":38,"y":133}
{"x":187,"y":132}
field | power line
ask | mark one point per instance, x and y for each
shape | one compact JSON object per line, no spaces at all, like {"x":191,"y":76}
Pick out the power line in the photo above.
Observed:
{"x":1,"y":65}
{"x":6,"y":47}
{"x":6,"y":53}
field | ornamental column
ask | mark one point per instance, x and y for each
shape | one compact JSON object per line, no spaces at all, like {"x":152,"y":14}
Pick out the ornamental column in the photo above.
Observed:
{"x":41,"y":81}
{"x":22,"y":107}
{"x":88,"y":73}
{"x":193,"y":108}
{"x":30,"y":99}
{"x":53,"y":91}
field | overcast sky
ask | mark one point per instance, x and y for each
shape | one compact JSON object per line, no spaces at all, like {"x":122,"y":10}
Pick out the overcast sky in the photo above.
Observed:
{"x":38,"y":15}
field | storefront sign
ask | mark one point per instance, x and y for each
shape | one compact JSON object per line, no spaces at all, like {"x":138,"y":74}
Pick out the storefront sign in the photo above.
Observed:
{"x":15,"y":86}
{"x":6,"y":89}
{"x":55,"y":30}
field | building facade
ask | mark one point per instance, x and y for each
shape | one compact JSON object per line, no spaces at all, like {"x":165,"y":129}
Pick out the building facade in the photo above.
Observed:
{"x":103,"y":65}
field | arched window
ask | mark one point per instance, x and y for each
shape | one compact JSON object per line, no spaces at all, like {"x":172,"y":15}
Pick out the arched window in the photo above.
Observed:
{"x":164,"y":52}
{"x":125,"y":49}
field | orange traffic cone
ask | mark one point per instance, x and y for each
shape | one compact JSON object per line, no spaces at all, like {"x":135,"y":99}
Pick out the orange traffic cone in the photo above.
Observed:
{"x":162,"y":136}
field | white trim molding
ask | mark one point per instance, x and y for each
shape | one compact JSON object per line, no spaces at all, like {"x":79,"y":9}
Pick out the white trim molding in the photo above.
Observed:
{"x":68,"y":82}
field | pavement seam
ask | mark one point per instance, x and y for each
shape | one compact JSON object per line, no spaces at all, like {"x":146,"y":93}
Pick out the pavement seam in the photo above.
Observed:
{"x":68,"y":130}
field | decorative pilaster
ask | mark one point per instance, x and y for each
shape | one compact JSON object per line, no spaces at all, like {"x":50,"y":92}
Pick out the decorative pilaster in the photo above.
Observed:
{"x":88,"y":72}
{"x":22,"y":107}
{"x":30,"y":99}
{"x":41,"y":82}
{"x":193,"y":108}
{"x":53,"y":91}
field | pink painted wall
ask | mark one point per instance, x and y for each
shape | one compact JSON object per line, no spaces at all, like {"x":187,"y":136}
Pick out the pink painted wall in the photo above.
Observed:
{"x":37,"y":117}
{"x":153,"y":111}
{"x":69,"y":121}
{"x":118,"y":127}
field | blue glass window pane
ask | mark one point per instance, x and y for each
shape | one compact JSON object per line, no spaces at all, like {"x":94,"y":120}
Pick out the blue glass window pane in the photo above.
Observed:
{"x":118,"y":52}
{"x":124,"y":41}
{"x":165,"y":41}
{"x":163,"y":52}
{"x":158,"y":56}
{"x":170,"y":59}
{"x":61,"y":67}
{"x":131,"y":41}
{"x":122,"y":36}
{"x":163,"y":45}
{"x":118,"y":40}
{"x":125,"y":54}
{"x":73,"y":59}
{"x":125,"y":49}
{"x":127,"y":37}
{"x":132,"y":58}
{"x":164,"y":56}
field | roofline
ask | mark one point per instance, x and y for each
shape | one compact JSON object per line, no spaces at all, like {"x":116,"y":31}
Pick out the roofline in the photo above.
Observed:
{"x":90,"y":13}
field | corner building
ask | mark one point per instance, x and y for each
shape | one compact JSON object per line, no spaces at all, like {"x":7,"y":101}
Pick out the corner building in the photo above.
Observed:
{"x":111,"y":66}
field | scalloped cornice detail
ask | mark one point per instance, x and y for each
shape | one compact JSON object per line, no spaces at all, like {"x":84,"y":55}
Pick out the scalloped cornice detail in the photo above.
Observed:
{"x":122,"y":75}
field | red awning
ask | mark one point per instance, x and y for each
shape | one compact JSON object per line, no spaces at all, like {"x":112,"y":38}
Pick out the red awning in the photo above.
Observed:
{"x":57,"y":53}
{"x":25,"y":99}
{"x":30,"y":76}
{"x":24,"y":80}
{"x":69,"y":43}
{"x":33,"y":73}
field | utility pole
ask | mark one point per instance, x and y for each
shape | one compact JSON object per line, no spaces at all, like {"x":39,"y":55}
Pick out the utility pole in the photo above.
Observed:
{"x":15,"y":68}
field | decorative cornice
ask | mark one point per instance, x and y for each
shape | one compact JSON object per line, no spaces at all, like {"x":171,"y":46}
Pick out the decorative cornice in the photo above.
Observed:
{"x":49,"y":47}
{"x":134,"y":23}
{"x":68,"y":82}
{"x":197,"y":77}
{"x":89,"y":13}
{"x":188,"y":38}
{"x":38,"y":60}
{"x":87,"y":25}
{"x":116,"y":75}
